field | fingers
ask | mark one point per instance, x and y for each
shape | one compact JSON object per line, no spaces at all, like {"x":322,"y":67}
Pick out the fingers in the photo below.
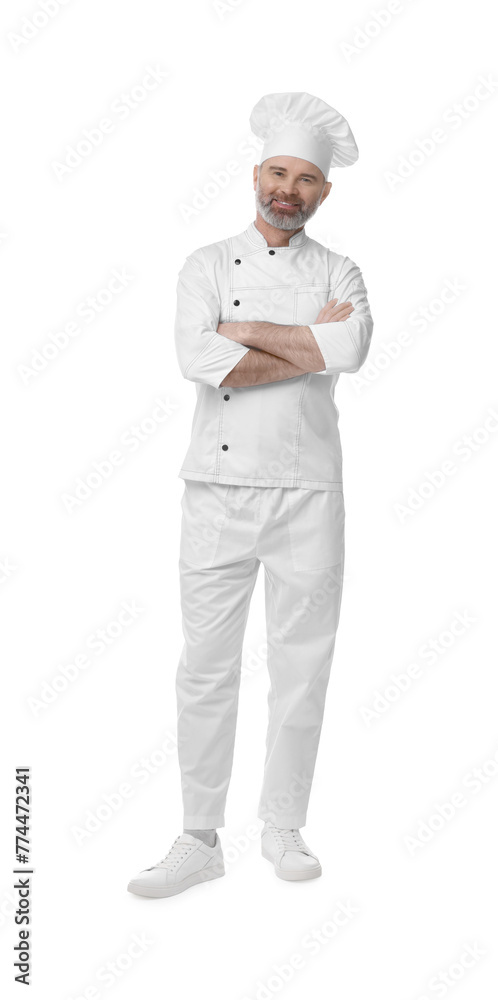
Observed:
{"x":332,"y":312}
{"x":338,"y":312}
{"x":341,"y":305}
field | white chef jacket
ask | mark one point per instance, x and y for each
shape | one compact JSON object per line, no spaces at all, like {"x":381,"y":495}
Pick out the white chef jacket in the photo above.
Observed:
{"x":279,"y":433}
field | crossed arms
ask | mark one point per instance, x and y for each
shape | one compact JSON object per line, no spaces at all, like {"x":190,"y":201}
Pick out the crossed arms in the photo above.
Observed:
{"x":278,"y":352}
{"x":252,"y":353}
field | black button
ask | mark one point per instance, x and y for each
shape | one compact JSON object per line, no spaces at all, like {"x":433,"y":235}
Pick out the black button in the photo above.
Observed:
{"x":226,"y":397}
{"x":271,"y":251}
{"x":225,"y":447}
{"x":236,"y":302}
{"x":237,"y":261}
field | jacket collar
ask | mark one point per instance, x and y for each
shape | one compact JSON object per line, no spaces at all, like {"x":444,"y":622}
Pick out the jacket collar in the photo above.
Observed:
{"x":254,"y":236}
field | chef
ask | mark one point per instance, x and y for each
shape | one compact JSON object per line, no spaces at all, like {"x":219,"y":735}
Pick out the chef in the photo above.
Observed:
{"x":266,"y":322}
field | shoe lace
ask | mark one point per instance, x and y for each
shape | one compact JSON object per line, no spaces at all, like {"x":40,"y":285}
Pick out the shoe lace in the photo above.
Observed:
{"x":176,"y":853}
{"x":288,"y":840}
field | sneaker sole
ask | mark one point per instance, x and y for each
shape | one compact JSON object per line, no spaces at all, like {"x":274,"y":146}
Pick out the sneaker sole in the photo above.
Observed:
{"x":293,"y":876}
{"x":172,"y":890}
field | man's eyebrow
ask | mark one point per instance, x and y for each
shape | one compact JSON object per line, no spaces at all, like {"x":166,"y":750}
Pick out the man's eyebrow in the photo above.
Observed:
{"x":274,"y":166}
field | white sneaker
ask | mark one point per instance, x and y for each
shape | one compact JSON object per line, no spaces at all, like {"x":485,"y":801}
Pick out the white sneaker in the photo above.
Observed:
{"x":189,"y":861}
{"x":291,"y":857}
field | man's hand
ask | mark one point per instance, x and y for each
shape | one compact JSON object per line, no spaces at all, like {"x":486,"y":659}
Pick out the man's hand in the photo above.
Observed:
{"x":334,"y":313}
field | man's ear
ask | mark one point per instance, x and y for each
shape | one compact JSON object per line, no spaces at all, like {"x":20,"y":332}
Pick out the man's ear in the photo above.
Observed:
{"x":326,"y":191}
{"x":255,"y":175}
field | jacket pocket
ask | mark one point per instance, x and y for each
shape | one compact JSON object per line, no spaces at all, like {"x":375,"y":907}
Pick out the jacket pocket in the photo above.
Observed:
{"x":266,"y":303}
{"x":308,"y":300}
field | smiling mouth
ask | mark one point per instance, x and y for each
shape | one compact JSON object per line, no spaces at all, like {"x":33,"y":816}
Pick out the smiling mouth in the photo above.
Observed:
{"x":284,"y":204}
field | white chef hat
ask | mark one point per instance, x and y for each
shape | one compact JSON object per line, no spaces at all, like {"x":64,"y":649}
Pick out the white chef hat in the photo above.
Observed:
{"x":298,"y":124}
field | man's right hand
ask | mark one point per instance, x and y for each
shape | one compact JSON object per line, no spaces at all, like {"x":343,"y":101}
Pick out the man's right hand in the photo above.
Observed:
{"x":332,"y":313}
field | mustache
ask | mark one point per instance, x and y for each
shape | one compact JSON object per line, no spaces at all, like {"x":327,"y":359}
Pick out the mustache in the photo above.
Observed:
{"x":282,"y":199}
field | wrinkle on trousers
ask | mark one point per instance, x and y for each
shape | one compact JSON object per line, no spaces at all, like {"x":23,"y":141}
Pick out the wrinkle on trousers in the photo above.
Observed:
{"x":226,"y":532}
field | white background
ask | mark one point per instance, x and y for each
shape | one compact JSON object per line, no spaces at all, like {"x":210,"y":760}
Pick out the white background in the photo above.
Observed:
{"x":412,"y":564}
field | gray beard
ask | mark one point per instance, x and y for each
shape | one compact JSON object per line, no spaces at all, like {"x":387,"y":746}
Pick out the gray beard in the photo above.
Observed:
{"x":279,"y":219}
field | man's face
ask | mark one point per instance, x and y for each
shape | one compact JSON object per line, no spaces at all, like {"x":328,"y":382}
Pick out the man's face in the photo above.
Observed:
{"x":287,"y":179}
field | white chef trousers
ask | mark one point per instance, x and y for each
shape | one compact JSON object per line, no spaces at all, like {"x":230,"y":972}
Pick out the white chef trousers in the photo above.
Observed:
{"x":226,"y":531}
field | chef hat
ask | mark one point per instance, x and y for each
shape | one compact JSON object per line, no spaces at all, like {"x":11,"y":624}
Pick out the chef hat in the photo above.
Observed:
{"x":298,"y":124}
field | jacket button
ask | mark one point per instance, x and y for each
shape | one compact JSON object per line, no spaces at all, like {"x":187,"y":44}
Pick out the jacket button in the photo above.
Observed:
{"x":225,"y":447}
{"x":236,"y":302}
{"x":238,"y":260}
{"x":226,"y":397}
{"x":271,"y":251}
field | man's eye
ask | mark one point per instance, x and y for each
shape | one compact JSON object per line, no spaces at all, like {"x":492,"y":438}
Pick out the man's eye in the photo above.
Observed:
{"x":279,"y":173}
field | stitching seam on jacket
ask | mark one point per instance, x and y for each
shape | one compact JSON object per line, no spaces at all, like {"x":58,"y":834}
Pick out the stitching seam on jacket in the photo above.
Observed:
{"x":199,"y":355}
{"x":353,"y":341}
{"x":299,"y":423}
{"x":204,"y":273}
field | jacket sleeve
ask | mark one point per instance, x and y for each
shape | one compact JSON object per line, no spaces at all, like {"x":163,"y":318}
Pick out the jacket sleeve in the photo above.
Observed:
{"x":345,"y":344}
{"x":203,"y":354}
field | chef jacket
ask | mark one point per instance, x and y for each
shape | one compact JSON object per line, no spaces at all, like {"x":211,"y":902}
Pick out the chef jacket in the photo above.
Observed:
{"x":281,"y":433}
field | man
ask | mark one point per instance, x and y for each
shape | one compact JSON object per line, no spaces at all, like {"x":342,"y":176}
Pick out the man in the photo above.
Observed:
{"x":266,"y":322}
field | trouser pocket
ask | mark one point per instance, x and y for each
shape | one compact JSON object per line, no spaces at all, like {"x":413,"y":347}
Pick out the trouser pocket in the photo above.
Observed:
{"x":203,"y":519}
{"x":316,"y":528}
